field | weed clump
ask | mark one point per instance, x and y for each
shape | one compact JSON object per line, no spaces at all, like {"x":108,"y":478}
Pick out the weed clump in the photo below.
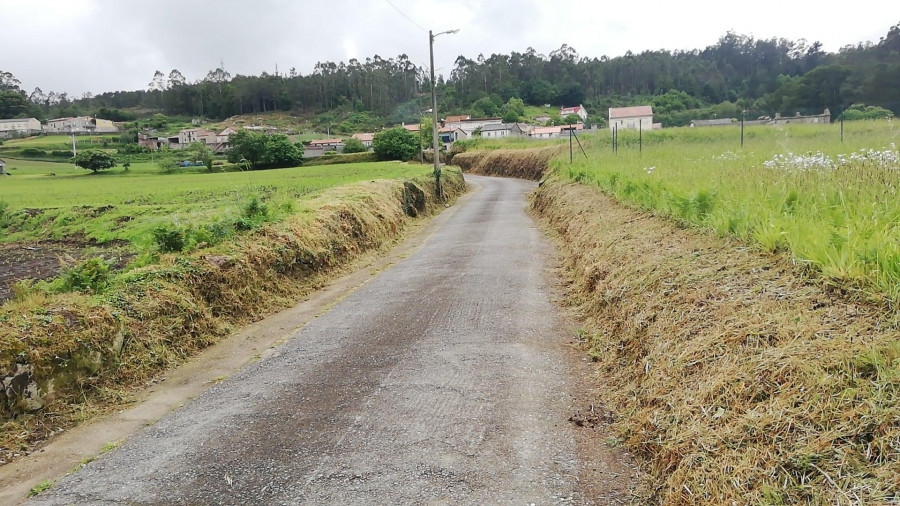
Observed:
{"x":169,"y":238}
{"x":90,"y":276}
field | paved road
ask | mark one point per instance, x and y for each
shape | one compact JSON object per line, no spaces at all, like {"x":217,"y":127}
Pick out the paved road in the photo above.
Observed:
{"x":444,"y":380}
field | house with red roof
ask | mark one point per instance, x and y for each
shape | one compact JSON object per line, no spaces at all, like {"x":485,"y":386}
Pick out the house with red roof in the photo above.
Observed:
{"x":365,"y":138}
{"x":579,"y":111}
{"x":638,"y":117}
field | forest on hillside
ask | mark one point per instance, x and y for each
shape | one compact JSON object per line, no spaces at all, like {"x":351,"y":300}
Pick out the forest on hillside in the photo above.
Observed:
{"x":737,"y":73}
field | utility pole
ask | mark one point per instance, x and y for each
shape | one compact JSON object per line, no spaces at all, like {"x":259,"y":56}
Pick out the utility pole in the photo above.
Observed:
{"x":742,"y":128}
{"x":434,"y":116}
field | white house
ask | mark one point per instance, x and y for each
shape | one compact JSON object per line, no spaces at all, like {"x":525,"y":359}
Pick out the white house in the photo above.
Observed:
{"x":24,"y":126}
{"x":364,"y":138}
{"x":80,"y":124}
{"x":502,"y":130}
{"x":579,"y":111}
{"x":631,"y":118}
{"x":550,"y":132}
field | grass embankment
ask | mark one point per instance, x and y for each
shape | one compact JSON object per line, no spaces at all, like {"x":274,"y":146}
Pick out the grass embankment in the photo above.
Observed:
{"x":79,"y":353}
{"x":521,"y":163}
{"x":739,"y":376}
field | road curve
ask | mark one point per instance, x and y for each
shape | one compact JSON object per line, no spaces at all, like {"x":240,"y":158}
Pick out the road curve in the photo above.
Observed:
{"x":444,"y":380}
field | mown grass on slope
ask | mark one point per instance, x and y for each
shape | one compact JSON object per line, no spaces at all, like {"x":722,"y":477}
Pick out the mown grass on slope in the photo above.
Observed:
{"x":83,"y":351}
{"x":736,"y":380}
{"x":786,"y":190}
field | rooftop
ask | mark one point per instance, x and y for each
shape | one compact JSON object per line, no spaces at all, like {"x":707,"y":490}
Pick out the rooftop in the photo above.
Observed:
{"x":630,"y":112}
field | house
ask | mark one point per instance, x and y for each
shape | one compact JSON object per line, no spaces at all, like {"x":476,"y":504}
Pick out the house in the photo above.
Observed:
{"x":365,"y":138}
{"x":327,"y":144}
{"x":579,"y":111}
{"x":454,"y":121}
{"x":550,"y":132}
{"x":186,"y":137}
{"x":80,"y":124}
{"x":472,"y":124}
{"x":639,"y":117}
{"x":824,"y":118}
{"x":450,"y":135}
{"x":412,"y":128}
{"x":22,"y":126}
{"x":503,"y":130}
{"x":3,"y":168}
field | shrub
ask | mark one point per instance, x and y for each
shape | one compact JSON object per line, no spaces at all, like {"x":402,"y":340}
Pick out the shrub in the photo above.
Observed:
{"x":352,"y":145}
{"x":92,"y":275}
{"x":395,"y":144}
{"x":169,"y":238}
{"x":33,"y":152}
{"x":254,"y":208}
{"x":61,"y":153}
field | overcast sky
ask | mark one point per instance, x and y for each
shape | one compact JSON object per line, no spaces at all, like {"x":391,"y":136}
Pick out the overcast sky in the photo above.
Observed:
{"x":103,"y":45}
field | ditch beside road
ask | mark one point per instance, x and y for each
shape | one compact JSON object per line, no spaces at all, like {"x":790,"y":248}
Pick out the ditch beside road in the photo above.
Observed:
{"x":449,"y":378}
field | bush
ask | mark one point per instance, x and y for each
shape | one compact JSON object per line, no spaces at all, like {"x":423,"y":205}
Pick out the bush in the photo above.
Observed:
{"x":92,"y":275}
{"x":396,"y":144}
{"x":339,"y":159}
{"x":33,"y":152}
{"x":169,"y":238}
{"x":61,"y":153}
{"x":352,"y":145}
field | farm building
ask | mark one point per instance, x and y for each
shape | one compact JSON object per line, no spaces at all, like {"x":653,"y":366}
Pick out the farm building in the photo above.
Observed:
{"x":454,"y":121}
{"x":365,"y":138}
{"x":450,"y":135}
{"x":20,"y":126}
{"x":631,"y":118}
{"x":550,"y":132}
{"x":579,"y":111}
{"x":80,"y":124}
{"x":502,"y":130}
{"x":824,"y":118}
{"x":471,"y":124}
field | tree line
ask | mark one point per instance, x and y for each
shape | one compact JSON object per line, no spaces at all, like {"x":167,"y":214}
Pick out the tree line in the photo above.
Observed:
{"x":737,"y":73}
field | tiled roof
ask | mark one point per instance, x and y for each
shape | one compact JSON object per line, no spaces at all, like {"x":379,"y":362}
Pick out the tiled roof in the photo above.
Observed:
{"x":630,"y":112}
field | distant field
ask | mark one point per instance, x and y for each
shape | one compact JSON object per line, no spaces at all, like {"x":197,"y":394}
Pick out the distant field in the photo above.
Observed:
{"x":128,"y":205}
{"x":59,"y":141}
{"x":833,"y":205}
{"x":536,"y":110}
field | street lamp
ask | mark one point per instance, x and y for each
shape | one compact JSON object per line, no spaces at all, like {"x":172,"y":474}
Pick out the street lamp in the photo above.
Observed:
{"x":434,"y":115}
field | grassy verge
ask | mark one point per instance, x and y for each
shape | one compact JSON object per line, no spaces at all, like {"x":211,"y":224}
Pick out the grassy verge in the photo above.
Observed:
{"x":71,"y":355}
{"x":736,"y":379}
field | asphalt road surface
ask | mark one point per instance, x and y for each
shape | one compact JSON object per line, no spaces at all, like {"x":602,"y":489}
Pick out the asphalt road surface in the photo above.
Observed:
{"x":444,"y":380}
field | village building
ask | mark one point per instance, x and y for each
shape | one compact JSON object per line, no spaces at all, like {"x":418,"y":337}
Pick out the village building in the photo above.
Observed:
{"x":19,"y":126}
{"x":3,"y":168}
{"x":412,"y":128}
{"x":502,"y":130}
{"x":472,"y":124}
{"x":80,"y":124}
{"x":454,"y":121}
{"x":579,"y":111}
{"x":631,"y":118}
{"x":824,"y":118}
{"x":549,"y":132}
{"x":450,"y":135}
{"x":364,"y":138}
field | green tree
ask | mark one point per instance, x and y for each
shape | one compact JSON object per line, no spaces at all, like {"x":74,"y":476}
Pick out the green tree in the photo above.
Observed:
{"x":395,"y":144}
{"x":513,"y":110}
{"x":95,"y":160}
{"x":12,"y":104}
{"x":247,"y":145}
{"x":200,"y":152}
{"x":281,"y":152}
{"x":352,"y":145}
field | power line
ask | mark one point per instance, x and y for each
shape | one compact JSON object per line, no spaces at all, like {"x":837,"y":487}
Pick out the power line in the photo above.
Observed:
{"x":405,"y":16}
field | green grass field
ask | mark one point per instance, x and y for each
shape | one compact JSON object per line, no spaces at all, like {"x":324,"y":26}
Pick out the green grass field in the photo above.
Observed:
{"x":537,"y":110}
{"x":120,"y":205}
{"x":833,"y":205}
{"x":59,"y":141}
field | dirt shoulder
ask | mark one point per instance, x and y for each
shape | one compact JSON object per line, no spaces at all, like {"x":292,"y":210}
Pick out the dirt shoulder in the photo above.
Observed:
{"x":68,"y":449}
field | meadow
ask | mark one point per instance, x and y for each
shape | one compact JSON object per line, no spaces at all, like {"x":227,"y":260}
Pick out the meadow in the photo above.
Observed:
{"x":830,"y":203}
{"x":128,"y":205}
